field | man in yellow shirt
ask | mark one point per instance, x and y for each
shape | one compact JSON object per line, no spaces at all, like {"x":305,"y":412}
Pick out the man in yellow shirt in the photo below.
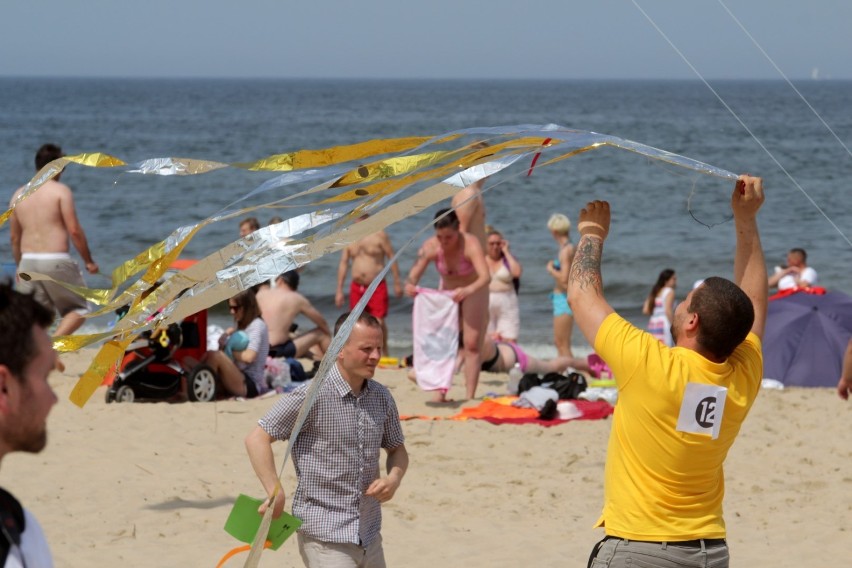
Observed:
{"x":679,"y":409}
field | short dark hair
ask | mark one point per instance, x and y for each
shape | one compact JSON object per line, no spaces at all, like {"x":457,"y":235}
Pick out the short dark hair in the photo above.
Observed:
{"x":46,"y":154}
{"x":248,"y":302}
{"x":450,"y":220}
{"x":366,"y":318}
{"x":801,"y":252}
{"x":725,"y":315}
{"x":251,"y":222}
{"x":18,"y":314}
{"x":291,"y":278}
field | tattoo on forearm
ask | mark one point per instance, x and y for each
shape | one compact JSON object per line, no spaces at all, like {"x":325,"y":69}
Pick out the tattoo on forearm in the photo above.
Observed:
{"x":586,"y":268}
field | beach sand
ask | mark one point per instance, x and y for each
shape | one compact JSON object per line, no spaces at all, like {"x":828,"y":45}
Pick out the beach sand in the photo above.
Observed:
{"x":151,"y":484}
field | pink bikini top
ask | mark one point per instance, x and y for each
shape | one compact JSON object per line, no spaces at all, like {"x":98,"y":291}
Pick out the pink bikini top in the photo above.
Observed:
{"x":464,"y":268}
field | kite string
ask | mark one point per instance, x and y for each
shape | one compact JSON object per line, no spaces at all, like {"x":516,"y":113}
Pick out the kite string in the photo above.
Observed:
{"x":780,"y":72}
{"x":743,"y":124}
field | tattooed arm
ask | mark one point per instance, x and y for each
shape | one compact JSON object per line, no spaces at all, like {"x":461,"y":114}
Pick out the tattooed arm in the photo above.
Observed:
{"x":585,"y":285}
{"x":749,"y":265}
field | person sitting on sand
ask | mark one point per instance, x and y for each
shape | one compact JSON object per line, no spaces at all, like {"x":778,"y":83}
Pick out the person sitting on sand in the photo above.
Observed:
{"x":240,"y":370}
{"x":280,"y":306}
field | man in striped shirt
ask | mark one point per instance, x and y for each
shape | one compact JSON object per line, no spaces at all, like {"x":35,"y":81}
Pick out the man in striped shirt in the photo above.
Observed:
{"x":336,"y":455}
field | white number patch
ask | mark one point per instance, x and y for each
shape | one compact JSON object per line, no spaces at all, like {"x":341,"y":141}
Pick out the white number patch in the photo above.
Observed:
{"x":701,"y":409}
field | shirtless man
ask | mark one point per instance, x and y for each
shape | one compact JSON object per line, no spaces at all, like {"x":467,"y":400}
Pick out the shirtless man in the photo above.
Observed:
{"x":279,"y":306}
{"x":368,"y":257}
{"x":41,"y":226}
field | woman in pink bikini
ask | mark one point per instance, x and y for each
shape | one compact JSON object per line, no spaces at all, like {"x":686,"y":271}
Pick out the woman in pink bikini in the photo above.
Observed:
{"x":460,"y":261}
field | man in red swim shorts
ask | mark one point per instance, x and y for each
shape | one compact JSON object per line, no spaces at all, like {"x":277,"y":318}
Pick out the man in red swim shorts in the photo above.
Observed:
{"x":368,"y":257}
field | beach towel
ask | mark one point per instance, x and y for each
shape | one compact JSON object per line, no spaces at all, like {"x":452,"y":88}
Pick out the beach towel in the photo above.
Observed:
{"x":436,"y":338}
{"x":501,"y":411}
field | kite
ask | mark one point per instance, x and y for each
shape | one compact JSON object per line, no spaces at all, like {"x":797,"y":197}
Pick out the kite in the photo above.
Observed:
{"x":389,"y":179}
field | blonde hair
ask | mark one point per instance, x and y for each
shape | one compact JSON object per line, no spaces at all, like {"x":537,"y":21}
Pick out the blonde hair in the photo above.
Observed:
{"x":559,"y":223}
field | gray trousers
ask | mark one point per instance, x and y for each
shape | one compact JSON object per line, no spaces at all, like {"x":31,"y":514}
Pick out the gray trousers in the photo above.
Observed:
{"x":614,"y":552}
{"x":319,"y":554}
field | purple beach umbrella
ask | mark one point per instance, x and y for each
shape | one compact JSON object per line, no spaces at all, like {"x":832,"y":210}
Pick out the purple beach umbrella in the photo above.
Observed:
{"x":806,"y":336}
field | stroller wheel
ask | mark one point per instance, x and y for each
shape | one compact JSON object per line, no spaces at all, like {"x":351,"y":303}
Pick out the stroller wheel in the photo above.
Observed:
{"x":110,"y":395}
{"x":201,"y":384}
{"x":125,"y":394}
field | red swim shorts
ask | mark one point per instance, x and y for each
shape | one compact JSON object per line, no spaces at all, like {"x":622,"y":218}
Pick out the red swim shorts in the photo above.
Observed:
{"x":378,"y":303}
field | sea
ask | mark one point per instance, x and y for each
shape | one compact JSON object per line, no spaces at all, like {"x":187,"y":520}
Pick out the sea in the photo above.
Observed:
{"x":663,"y":217}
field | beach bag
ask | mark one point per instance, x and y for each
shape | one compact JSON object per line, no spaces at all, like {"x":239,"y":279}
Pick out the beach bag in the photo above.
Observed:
{"x":297,"y":371}
{"x":528,"y":381}
{"x":568,"y":387}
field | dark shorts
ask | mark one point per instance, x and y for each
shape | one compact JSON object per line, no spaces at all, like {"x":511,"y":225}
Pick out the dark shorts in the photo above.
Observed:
{"x":286,"y":349}
{"x":251,"y":387}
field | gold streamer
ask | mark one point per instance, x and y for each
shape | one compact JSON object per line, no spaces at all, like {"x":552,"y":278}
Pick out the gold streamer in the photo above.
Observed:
{"x":108,"y":357}
{"x":319,"y":158}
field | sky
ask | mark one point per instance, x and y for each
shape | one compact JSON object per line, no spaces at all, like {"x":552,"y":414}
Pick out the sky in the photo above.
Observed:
{"x":442,"y":39}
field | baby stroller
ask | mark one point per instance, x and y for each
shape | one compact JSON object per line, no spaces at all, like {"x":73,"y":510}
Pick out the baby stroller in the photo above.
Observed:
{"x":151,"y":368}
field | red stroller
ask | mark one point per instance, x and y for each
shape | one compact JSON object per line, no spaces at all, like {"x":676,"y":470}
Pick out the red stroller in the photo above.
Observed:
{"x":152,"y":366}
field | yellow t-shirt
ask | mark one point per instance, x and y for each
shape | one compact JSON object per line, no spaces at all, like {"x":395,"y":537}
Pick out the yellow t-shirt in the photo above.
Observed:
{"x":676,"y":418}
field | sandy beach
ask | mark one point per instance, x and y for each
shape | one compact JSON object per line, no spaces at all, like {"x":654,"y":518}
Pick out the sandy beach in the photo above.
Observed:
{"x":151,"y":484}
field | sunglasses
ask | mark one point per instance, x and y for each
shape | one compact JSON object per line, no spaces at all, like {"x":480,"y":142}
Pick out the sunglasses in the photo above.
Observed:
{"x":233,"y":307}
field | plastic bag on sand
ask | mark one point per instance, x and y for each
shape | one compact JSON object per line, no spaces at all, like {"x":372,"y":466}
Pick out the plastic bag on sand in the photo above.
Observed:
{"x":277,"y":373}
{"x":568,"y":410}
{"x":600,"y":393}
{"x":771,"y":384}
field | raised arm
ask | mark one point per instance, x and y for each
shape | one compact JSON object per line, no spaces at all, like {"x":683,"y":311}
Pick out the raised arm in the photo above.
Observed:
{"x":465,"y":204}
{"x":473,"y":251}
{"x":515,"y":268}
{"x":749,"y":264}
{"x":585,"y":284}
